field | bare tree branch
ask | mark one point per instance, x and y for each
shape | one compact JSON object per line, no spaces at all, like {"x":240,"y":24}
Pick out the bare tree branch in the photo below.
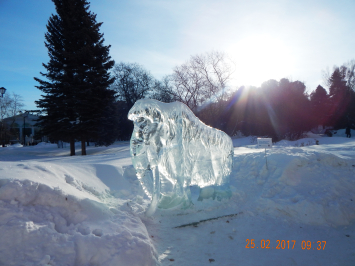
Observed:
{"x":203,"y":78}
{"x":132,"y":82}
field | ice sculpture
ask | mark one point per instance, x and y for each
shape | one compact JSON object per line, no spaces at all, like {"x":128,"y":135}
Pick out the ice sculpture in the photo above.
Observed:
{"x":172,"y":149}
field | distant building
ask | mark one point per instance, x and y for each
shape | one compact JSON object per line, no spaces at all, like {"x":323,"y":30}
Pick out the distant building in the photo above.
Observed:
{"x":21,"y":128}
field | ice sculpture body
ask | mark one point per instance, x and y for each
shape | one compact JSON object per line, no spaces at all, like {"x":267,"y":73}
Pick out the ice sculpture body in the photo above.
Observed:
{"x":172,"y":149}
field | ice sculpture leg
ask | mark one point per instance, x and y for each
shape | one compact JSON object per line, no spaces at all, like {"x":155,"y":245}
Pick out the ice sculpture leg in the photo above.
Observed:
{"x":156,"y":192}
{"x":172,"y":149}
{"x":215,"y":192}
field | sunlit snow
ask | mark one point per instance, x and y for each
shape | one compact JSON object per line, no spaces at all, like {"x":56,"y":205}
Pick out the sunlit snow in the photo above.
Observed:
{"x":89,"y":210}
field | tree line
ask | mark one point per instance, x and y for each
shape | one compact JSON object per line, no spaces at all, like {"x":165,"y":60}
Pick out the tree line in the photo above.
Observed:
{"x":284,"y":110}
{"x":86,"y":96}
{"x":200,"y":83}
{"x":279,"y":109}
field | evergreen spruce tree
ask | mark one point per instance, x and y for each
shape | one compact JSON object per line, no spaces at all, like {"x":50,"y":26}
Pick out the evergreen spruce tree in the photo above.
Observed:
{"x":319,"y":101}
{"x":77,"y":102}
{"x":340,"y":96}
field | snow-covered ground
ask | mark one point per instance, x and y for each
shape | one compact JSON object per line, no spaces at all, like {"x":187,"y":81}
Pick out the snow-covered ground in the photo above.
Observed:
{"x":89,"y":210}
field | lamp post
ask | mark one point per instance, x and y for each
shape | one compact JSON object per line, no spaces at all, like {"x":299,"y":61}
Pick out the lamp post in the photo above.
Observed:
{"x":24,"y":114}
{"x":2,"y":92}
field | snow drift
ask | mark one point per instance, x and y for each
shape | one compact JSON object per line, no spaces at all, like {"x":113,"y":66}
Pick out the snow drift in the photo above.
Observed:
{"x":61,"y":210}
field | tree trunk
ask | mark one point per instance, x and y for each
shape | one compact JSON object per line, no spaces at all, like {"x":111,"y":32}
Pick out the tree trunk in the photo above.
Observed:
{"x":83,"y":147}
{"x":72,"y":146}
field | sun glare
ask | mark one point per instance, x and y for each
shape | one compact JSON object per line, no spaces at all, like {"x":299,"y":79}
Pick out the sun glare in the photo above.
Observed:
{"x":260,"y":58}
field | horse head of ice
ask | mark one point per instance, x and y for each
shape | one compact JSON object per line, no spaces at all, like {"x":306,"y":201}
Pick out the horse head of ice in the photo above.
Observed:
{"x":172,"y":149}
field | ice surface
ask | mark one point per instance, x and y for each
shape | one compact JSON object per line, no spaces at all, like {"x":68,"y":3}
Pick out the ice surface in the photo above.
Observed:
{"x":172,"y":150}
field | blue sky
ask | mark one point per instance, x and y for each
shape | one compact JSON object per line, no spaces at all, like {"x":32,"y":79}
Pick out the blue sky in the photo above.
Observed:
{"x":266,"y":39}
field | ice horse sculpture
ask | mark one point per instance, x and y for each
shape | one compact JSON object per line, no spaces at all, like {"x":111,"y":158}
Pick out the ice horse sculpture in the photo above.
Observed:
{"x":172,"y":149}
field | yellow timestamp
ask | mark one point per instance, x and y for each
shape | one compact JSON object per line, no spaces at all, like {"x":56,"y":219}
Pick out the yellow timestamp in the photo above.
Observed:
{"x":285,"y":244}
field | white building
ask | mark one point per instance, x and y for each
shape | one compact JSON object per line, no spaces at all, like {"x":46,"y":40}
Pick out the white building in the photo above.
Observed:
{"x":21,"y":128}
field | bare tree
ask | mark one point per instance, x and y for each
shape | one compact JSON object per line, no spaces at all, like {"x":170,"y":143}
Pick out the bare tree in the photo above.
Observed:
{"x":10,"y":105}
{"x":350,"y":74}
{"x":16,"y":104}
{"x":326,"y":76}
{"x":132,"y":82}
{"x":202,"y":79}
{"x":5,"y":106}
{"x":163,"y":90}
{"x":347,"y":70}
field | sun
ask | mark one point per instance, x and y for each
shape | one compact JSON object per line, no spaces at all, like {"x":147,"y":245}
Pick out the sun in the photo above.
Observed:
{"x":260,"y":58}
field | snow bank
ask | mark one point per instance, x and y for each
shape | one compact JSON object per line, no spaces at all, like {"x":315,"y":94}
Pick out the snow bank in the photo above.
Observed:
{"x":86,"y":210}
{"x":45,"y":144}
{"x":69,"y":211}
{"x":41,"y":225}
{"x":17,"y":145}
{"x":300,"y":183}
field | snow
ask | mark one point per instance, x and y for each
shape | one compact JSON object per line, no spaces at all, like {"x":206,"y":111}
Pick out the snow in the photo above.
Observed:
{"x":89,"y":210}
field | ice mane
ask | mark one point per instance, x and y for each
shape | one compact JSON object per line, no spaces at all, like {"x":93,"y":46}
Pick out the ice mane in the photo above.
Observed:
{"x":171,"y":113}
{"x":155,"y":110}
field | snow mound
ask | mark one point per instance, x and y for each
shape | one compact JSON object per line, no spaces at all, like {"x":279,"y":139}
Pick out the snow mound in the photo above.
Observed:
{"x":41,"y":225}
{"x":57,"y":209}
{"x":17,"y":145}
{"x":302,"y":184}
{"x":46,"y":144}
